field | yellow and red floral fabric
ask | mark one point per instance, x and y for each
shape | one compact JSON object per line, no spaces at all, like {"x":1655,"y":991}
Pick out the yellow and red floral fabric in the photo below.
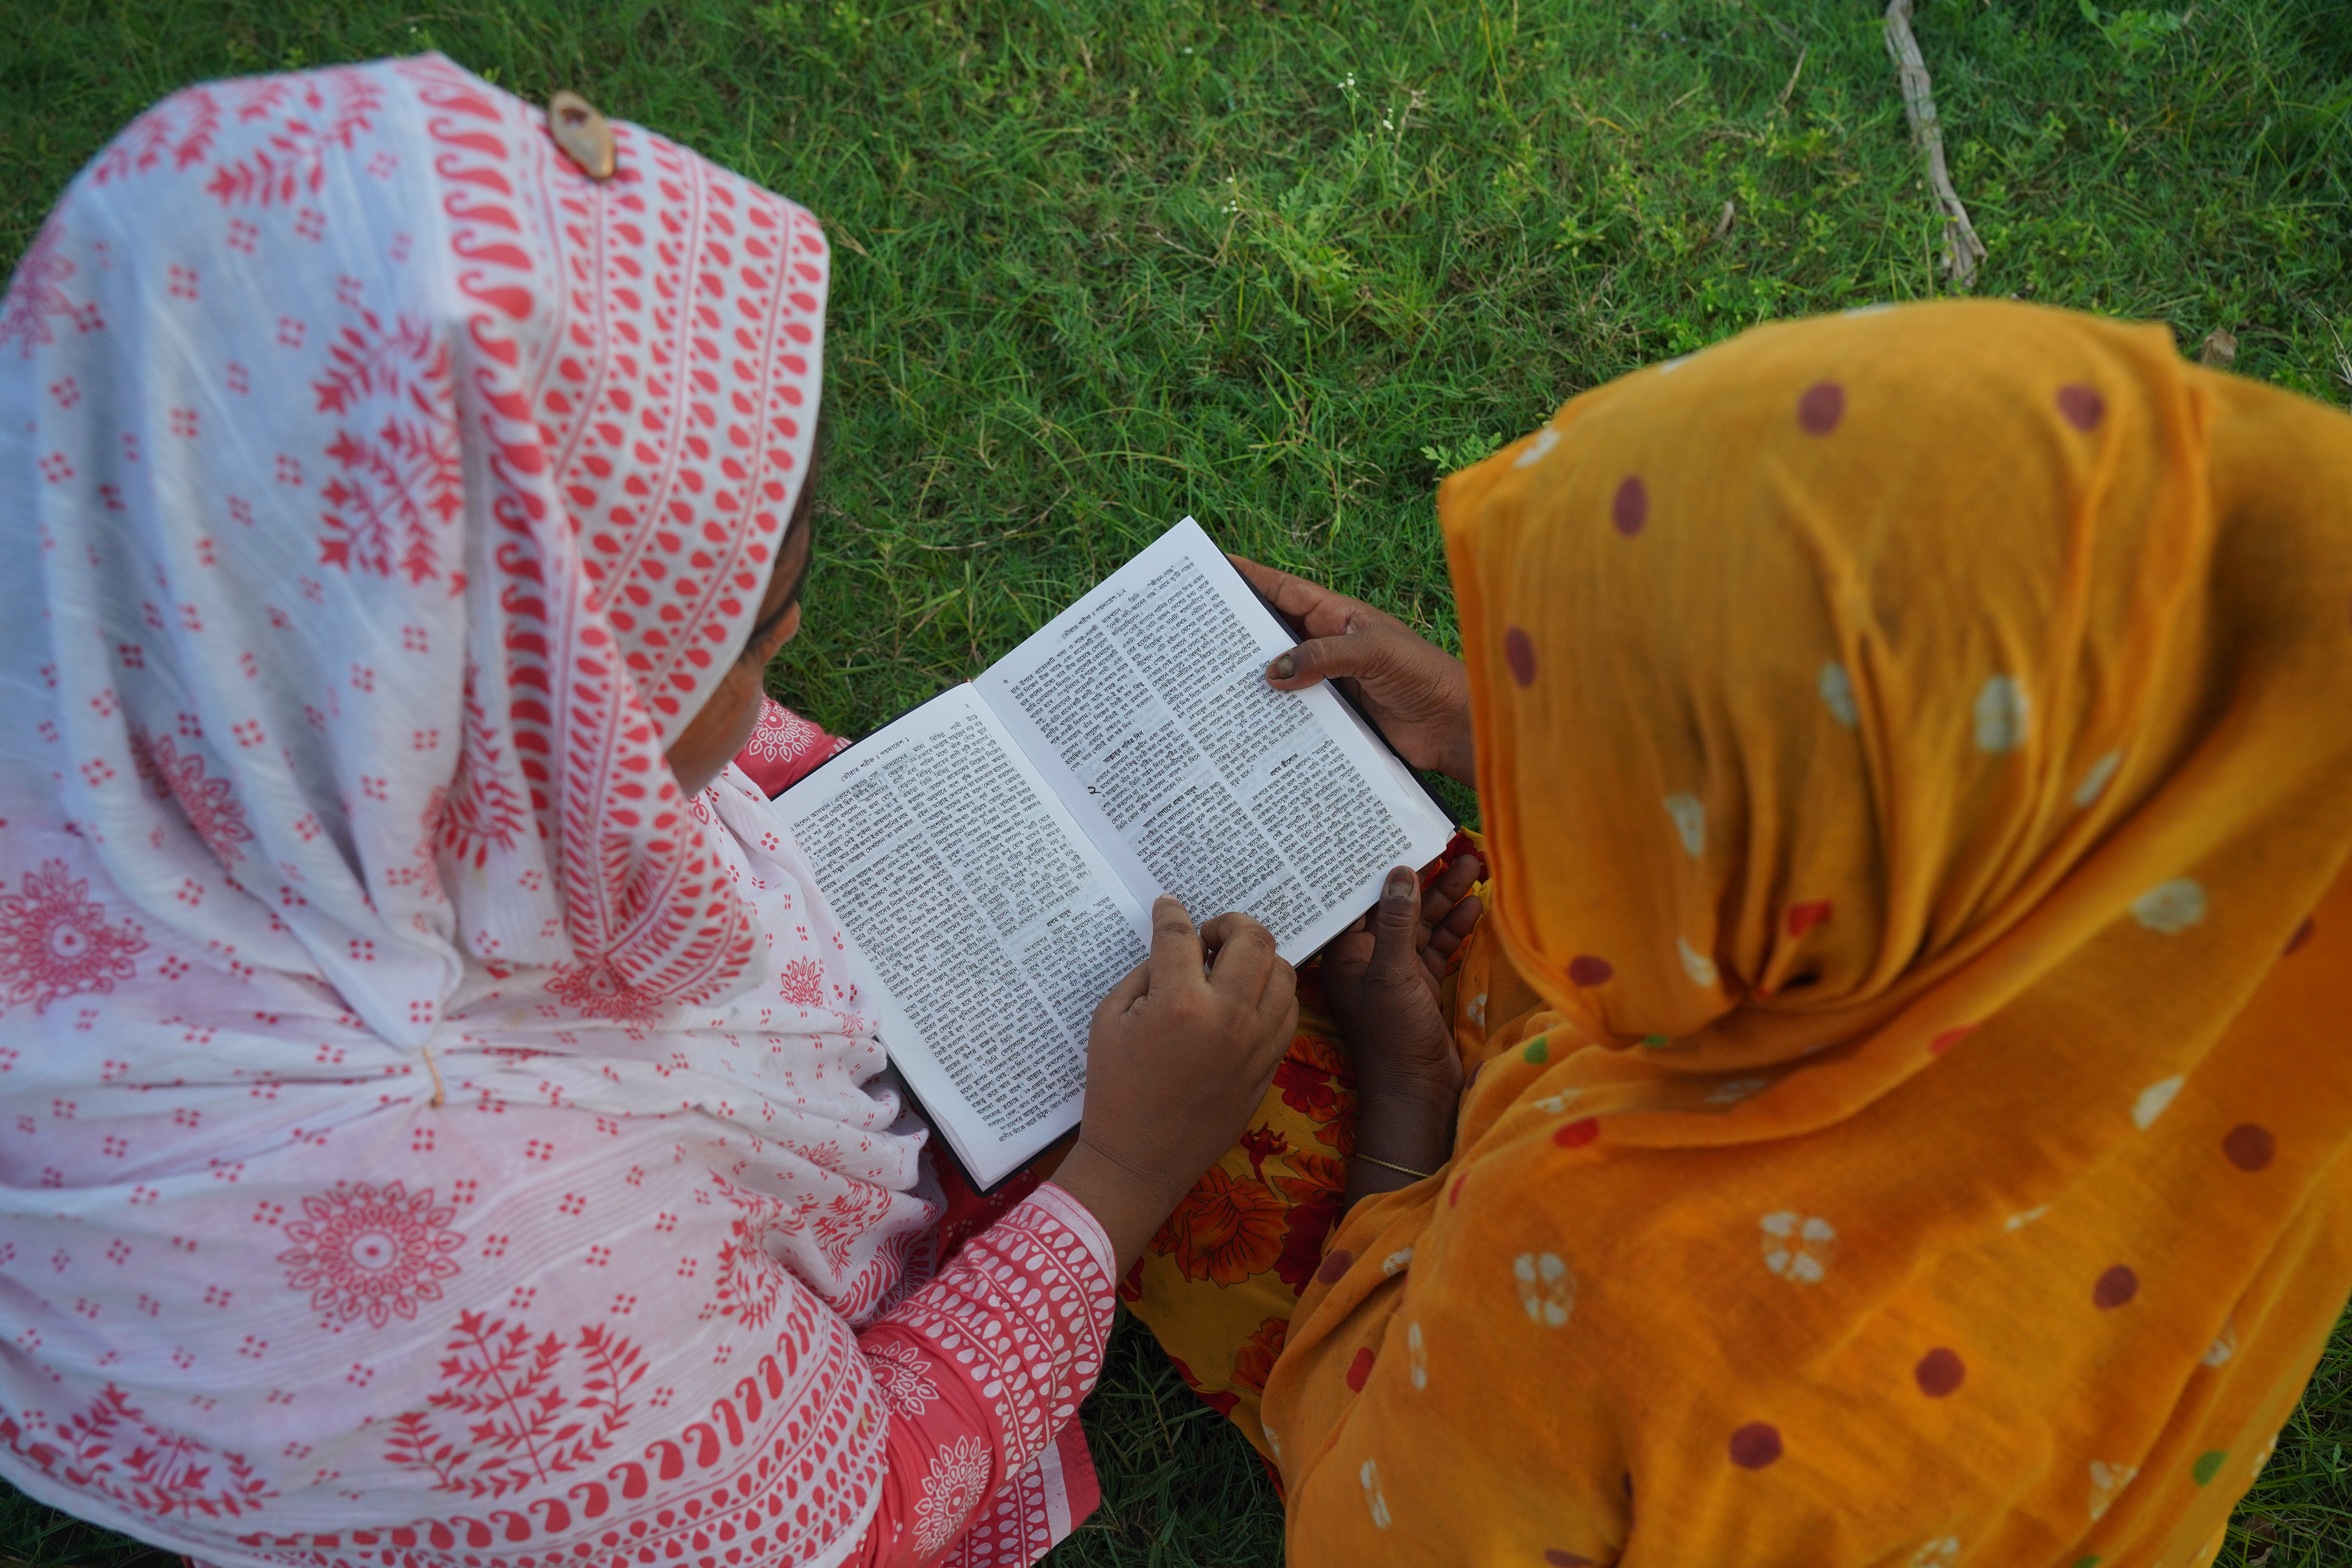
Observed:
{"x":1218,"y":1283}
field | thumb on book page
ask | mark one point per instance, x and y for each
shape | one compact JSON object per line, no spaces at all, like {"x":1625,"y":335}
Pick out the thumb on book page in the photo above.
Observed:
{"x":1396,"y":920}
{"x":1324,"y":659}
{"x":1176,"y":951}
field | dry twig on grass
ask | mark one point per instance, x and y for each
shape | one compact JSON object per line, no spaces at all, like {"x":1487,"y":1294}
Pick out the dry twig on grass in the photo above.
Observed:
{"x":1782,"y":102}
{"x":1962,"y":248}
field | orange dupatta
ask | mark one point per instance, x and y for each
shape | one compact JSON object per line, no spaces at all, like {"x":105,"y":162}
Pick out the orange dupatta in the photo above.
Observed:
{"x":1908,"y":745}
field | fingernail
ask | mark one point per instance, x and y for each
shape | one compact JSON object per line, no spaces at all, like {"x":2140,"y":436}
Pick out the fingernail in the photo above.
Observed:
{"x":1399,"y":885}
{"x":1284,"y":668}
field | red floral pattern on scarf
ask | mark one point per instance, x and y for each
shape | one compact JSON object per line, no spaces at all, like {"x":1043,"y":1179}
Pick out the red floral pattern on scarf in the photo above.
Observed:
{"x":398,"y":483}
{"x":110,"y":1448}
{"x":517,"y":1409}
{"x":55,"y":942}
{"x":784,"y":747}
{"x":362,"y":1251}
{"x":211,"y":810}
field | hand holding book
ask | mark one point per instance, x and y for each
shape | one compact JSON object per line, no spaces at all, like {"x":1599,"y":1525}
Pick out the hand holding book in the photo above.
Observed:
{"x":993,"y":854}
{"x":1380,"y":975}
{"x":1415,"y":692}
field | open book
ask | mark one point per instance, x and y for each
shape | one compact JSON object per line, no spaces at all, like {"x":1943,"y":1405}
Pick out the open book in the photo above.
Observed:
{"x":992,"y":855}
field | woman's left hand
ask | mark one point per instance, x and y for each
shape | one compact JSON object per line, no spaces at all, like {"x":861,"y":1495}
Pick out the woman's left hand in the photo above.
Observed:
{"x":1415,"y":692}
{"x":1381,"y":978}
{"x":1381,"y":981}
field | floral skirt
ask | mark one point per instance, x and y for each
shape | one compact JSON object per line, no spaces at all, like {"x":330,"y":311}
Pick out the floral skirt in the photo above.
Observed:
{"x":1219,"y":1282}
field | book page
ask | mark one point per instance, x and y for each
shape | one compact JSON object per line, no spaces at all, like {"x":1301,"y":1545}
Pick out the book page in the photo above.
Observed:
{"x":981,"y":917}
{"x":1145,"y":707}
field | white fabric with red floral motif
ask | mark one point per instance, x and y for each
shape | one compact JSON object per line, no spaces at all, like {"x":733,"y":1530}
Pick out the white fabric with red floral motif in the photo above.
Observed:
{"x":427,"y":1136}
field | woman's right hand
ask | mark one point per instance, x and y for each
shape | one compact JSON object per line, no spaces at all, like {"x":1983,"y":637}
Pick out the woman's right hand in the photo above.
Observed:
{"x":1180,"y":1055}
{"x":1414,"y":691}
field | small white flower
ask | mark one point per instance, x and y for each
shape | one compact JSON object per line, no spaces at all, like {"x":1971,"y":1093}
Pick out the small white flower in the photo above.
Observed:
{"x":2153,"y":1099}
{"x":2095,"y":781}
{"x":1395,"y":1260}
{"x":1547,"y":1288}
{"x":2107,"y":1482}
{"x":1542,"y":441}
{"x":2169,"y":908}
{"x":900,"y":1373}
{"x":2019,"y":1221}
{"x":1371,"y":1476}
{"x":2001,"y":715}
{"x":2224,"y":1346}
{"x":1417,"y":1355}
{"x":1696,"y":964}
{"x":1837,"y":694}
{"x":1799,"y":1247}
{"x":1556,"y":1103}
{"x":1690,"y":822}
{"x":1938,"y":1554}
{"x":1477,"y":1011}
{"x":958,"y":1479}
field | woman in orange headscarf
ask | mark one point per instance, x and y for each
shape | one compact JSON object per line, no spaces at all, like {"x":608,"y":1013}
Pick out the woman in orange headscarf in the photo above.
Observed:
{"x":1907,"y":1107}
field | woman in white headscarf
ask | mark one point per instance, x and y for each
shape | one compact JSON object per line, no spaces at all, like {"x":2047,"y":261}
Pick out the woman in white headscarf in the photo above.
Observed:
{"x":437,"y":1127}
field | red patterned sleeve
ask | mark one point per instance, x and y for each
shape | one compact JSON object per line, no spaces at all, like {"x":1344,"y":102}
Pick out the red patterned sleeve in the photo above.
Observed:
{"x":982,"y":1370}
{"x":783,"y":747}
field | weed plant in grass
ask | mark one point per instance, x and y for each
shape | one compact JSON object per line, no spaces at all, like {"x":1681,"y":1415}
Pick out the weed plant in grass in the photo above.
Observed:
{"x":1282,"y":265}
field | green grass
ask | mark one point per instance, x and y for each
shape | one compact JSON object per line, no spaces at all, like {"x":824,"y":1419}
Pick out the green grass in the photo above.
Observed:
{"x":1281,"y":264}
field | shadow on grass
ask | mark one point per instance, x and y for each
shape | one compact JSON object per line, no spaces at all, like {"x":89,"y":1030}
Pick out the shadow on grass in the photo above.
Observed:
{"x":2299,"y":1514}
{"x":32,"y":1534}
{"x":1181,"y":1488}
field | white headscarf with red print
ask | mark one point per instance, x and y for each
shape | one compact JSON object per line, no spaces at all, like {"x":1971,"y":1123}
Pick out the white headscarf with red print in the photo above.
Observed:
{"x":385,"y":496}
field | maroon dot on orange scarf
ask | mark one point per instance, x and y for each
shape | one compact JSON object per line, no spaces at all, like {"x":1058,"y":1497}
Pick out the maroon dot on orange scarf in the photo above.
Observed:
{"x":1755,"y":1444}
{"x":1822,"y":407}
{"x":1632,"y":507}
{"x":1454,"y":1193}
{"x":1804,"y":917}
{"x":1334,"y":1266}
{"x":2116,"y":1287}
{"x":1359,"y":1369}
{"x":1519,"y":653}
{"x":2082,"y":406}
{"x":1555,"y":1558}
{"x":1584,"y":969}
{"x":2302,"y":935}
{"x":1940,"y":1372}
{"x":2249,"y":1146}
{"x":1578,"y":1133}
